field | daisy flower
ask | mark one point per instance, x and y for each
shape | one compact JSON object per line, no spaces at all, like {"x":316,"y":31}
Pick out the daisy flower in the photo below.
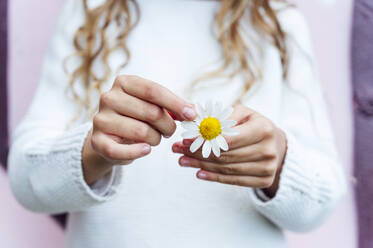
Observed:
{"x":209,"y":128}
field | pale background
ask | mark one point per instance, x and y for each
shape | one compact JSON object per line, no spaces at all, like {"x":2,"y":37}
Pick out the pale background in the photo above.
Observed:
{"x":31,"y":24}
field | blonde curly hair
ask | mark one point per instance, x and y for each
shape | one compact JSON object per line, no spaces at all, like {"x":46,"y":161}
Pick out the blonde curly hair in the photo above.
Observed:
{"x":91,"y":43}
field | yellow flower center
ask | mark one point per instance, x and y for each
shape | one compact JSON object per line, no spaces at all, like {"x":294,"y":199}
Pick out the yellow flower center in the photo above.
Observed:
{"x":210,"y":128}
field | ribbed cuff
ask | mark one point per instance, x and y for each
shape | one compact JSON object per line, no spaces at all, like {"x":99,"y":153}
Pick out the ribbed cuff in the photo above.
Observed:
{"x":105,"y":185}
{"x":58,"y":174}
{"x":299,"y":189}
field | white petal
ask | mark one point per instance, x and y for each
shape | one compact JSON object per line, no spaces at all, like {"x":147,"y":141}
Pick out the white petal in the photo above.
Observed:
{"x":225,"y":113}
{"x":196,"y":144}
{"x":189,"y":125}
{"x":215,"y":147}
{"x":228,"y":123}
{"x":208,"y":108}
{"x":200,"y":111}
{"x":230,"y":131}
{"x":190,"y":134}
{"x":222,"y":143}
{"x":206,"y":149}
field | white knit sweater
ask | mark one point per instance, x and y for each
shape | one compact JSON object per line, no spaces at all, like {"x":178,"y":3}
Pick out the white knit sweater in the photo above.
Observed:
{"x":154,"y":202}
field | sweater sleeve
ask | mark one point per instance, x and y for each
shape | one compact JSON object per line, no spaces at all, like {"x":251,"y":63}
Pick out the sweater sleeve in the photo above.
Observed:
{"x":45,"y":164}
{"x":312,"y":180}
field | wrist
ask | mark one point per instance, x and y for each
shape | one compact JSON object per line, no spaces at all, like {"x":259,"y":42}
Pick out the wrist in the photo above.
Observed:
{"x":94,"y":166}
{"x":282,"y":144}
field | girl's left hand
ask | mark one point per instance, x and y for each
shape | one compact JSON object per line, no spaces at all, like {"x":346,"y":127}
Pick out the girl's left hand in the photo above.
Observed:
{"x":254,"y":158}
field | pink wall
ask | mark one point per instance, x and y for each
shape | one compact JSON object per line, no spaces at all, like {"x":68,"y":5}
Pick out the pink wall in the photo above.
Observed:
{"x":31,"y":24}
{"x":330,"y":25}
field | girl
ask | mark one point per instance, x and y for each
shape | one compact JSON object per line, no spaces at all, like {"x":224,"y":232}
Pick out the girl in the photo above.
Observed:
{"x":113,"y":88}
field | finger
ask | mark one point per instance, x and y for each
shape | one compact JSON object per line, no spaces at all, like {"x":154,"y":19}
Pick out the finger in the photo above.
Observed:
{"x":113,"y":151}
{"x":154,"y":115}
{"x":253,"y":153}
{"x":260,"y":169}
{"x":175,"y":116}
{"x":247,"y":181}
{"x":249,"y":128}
{"x":126,"y":127}
{"x":250,"y":132}
{"x":241,"y":114}
{"x":188,"y":142}
{"x":152,"y":92}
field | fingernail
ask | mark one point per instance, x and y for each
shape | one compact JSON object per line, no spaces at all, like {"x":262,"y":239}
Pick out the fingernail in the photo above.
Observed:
{"x":166,"y":136}
{"x":189,"y":113}
{"x":202,"y":175}
{"x":187,"y":142}
{"x":145,"y":149}
{"x":184,"y":161}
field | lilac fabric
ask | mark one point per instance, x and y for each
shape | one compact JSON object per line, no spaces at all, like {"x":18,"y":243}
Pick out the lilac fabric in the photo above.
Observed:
{"x":362,"y":78}
{"x":3,"y":86}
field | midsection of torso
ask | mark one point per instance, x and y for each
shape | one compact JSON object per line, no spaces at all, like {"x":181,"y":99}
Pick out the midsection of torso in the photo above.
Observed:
{"x":160,"y":204}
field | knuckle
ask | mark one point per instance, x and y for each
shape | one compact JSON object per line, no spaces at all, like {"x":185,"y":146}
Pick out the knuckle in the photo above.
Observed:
{"x":157,"y":140}
{"x":228,"y":169}
{"x":267,"y":128}
{"x":130,"y":78}
{"x":151,"y":91}
{"x":268,"y":169}
{"x":219,"y":179}
{"x":119,"y":80}
{"x":231,"y":140}
{"x":95,"y":142}
{"x":154,"y":114}
{"x":202,"y":165}
{"x":106,"y":98}
{"x":95,"y":121}
{"x":99,"y":120}
{"x":260,"y":154}
{"x":224,"y":158}
{"x":270,"y":152}
{"x":172,"y":129}
{"x":108,"y":151}
{"x":142,"y":132}
{"x":123,"y":80}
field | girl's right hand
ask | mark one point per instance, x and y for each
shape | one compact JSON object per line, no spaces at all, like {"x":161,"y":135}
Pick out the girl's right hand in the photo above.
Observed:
{"x":132,"y":116}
